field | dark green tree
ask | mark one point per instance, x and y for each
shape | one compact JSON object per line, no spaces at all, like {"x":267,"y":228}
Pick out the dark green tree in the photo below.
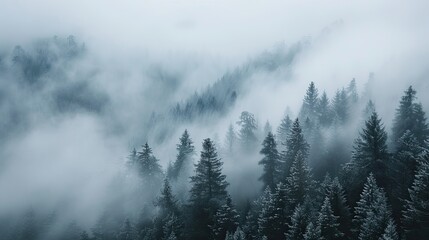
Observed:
{"x":226,"y":220}
{"x":270,"y":162}
{"x":183,"y":163}
{"x":295,"y":143}
{"x":328,"y":222}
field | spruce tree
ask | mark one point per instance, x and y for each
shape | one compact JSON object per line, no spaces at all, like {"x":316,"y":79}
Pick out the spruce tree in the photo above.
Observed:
{"x":299,"y":181}
{"x":416,"y":212}
{"x":390,"y":232}
{"x":295,"y":143}
{"x":340,"y":107}
{"x":328,"y":222}
{"x":251,"y":226}
{"x":172,"y":228}
{"x":208,"y":191}
{"x":149,"y":166}
{"x":300,"y":219}
{"x":371,"y":213}
{"x":284,"y":129}
{"x":410,"y":116}
{"x":167,"y":202}
{"x":226,"y":220}
{"x":352,"y":92}
{"x":183,"y":164}
{"x":310,"y":103}
{"x":324,"y":111}
{"x":267,"y":128}
{"x":230,"y":140}
{"x":247,"y":134}
{"x":339,"y":205}
{"x":369,"y":155}
{"x":270,"y":162}
{"x":312,"y":232}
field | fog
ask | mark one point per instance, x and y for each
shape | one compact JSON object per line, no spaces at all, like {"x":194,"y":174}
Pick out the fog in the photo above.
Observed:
{"x":144,"y":57}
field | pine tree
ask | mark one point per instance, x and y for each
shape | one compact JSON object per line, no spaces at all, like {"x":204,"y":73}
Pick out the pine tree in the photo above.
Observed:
{"x":267,"y":128}
{"x":324,"y":111}
{"x":230,"y":140}
{"x":369,"y":155}
{"x":310,"y":103}
{"x":416,"y":213}
{"x":328,"y":222}
{"x":339,"y":205}
{"x":208,"y":190}
{"x":390,"y":232}
{"x":283,"y":130}
{"x":149,"y":166}
{"x":299,"y":181}
{"x":300,"y":219}
{"x":239,"y":234}
{"x":312,"y":232}
{"x":295,"y":143}
{"x":247,"y":134}
{"x":251,"y":226}
{"x":270,"y":162}
{"x":410,"y":116}
{"x":127,"y":231}
{"x":167,"y":202}
{"x":352,"y":92}
{"x":172,"y":227}
{"x":225,"y":220}
{"x":340,"y":107}
{"x":371,"y":213}
{"x":369,"y":109}
{"x":183,"y":163}
{"x":273,"y":219}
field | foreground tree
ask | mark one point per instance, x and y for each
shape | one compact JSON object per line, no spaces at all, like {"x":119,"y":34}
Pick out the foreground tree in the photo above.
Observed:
{"x":226,"y":220}
{"x":328,"y":222}
{"x":416,"y":213}
{"x":208,"y":191}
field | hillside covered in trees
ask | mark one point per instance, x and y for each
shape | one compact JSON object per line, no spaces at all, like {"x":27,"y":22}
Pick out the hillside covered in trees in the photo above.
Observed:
{"x":315,"y":184}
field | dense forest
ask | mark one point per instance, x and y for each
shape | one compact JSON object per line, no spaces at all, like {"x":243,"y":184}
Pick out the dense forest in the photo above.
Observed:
{"x":333,"y":171}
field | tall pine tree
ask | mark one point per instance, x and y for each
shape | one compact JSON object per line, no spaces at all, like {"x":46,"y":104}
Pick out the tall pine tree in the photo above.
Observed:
{"x":270,"y":162}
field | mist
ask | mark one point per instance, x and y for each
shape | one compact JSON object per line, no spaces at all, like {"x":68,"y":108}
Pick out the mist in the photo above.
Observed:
{"x":83,"y":83}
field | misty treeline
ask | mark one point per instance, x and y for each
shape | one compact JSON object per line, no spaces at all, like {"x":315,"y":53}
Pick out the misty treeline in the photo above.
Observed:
{"x":331,"y":172}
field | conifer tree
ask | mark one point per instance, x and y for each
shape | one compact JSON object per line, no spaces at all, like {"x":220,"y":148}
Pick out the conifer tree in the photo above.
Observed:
{"x":340,"y":207}
{"x":251,"y":226}
{"x":225,"y":220}
{"x":310,"y":103}
{"x":416,"y":213}
{"x":270,"y":162}
{"x":328,"y":222}
{"x":300,"y":219}
{"x":283,"y":130}
{"x":132,"y":159}
{"x":247,"y":134}
{"x":127,"y":231}
{"x":340,"y":107}
{"x":295,"y":143}
{"x":312,"y":232}
{"x":352,"y":92}
{"x":410,"y":116}
{"x":230,"y":140}
{"x":172,"y":228}
{"x":167,"y":202}
{"x":183,"y":163}
{"x":299,"y":181}
{"x":149,"y":166}
{"x":208,"y":191}
{"x":267,"y":128}
{"x":324,"y":111}
{"x":369,"y":155}
{"x":371,"y":213}
{"x":390,"y":232}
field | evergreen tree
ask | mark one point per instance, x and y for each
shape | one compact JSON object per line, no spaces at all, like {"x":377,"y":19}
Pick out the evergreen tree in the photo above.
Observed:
{"x":340,"y":107}
{"x":270,"y":162}
{"x":371,"y":213}
{"x":132,"y":159}
{"x":225,"y":220}
{"x":208,"y":192}
{"x":299,"y":181}
{"x":247,"y":134}
{"x":328,"y":222}
{"x":239,"y":234}
{"x":369,"y":155}
{"x":352,"y":92}
{"x":149,"y":166}
{"x":251,"y":226}
{"x":410,"y":116}
{"x":273,"y":219}
{"x":312,"y":232}
{"x":183,"y":163}
{"x":230,"y":139}
{"x":167,"y":202}
{"x":300,"y":219}
{"x":340,"y":207}
{"x":283,"y":130}
{"x":390,"y":232}
{"x":267,"y":128}
{"x":324,"y":111}
{"x":127,"y":231}
{"x":369,"y":109}
{"x":172,"y":228}
{"x":416,"y":213}
{"x":295,"y":143}
{"x":310,"y":103}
